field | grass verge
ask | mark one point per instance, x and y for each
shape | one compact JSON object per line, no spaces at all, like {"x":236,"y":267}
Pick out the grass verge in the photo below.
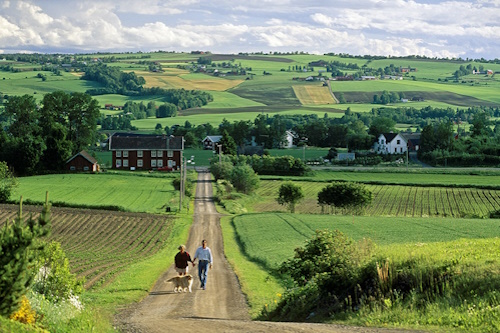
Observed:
{"x":257,"y":284}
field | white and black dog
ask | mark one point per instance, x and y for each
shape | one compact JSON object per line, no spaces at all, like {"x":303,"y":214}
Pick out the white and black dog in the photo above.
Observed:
{"x":182,"y":283}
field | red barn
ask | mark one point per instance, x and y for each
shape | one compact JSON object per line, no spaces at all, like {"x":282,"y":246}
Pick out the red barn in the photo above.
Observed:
{"x":82,"y":161}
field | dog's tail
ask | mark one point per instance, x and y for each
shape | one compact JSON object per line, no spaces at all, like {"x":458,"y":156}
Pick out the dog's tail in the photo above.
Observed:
{"x":171,"y":279}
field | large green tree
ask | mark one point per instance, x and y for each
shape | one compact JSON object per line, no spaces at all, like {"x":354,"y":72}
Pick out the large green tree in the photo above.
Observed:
{"x":344,"y":195}
{"x":25,"y":144}
{"x":227,"y":143}
{"x":381,"y":125}
{"x":290,"y":194}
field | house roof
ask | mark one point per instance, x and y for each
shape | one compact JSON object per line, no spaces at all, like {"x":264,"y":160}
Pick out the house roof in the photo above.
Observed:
{"x":213,"y":138}
{"x":132,"y":141}
{"x":389,"y":136}
{"x":85,"y":155}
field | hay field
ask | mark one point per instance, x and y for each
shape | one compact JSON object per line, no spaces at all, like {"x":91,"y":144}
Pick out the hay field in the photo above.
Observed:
{"x":174,"y":78}
{"x":313,"y":95}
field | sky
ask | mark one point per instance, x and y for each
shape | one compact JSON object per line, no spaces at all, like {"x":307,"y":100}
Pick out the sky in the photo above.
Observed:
{"x":432,"y":28}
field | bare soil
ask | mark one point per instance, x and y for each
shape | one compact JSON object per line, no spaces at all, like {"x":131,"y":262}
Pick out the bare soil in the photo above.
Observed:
{"x":222,"y":306}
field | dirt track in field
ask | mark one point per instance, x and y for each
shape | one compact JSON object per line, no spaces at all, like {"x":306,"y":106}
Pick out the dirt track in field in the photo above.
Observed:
{"x":220,"y":308}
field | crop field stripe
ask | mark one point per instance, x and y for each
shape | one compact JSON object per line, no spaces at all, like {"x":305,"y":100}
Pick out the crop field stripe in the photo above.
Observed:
{"x":489,"y":199}
{"x":456,"y":211}
{"x":477,"y":205}
{"x":496,"y":198}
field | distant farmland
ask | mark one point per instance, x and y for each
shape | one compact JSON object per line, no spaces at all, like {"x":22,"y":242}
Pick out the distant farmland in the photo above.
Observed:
{"x":313,"y":95}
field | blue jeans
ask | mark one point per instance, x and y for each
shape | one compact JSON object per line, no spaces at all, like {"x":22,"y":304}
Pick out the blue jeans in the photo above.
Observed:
{"x":203,"y":271}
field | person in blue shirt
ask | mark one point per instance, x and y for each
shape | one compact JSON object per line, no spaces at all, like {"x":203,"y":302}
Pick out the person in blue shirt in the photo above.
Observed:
{"x":205,"y":260}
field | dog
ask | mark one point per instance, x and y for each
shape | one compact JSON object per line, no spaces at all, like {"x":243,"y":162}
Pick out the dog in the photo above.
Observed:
{"x":182,"y":283}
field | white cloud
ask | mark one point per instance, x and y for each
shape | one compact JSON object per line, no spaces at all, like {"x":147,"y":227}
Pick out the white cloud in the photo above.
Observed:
{"x":322,"y":19}
{"x":399,"y":27}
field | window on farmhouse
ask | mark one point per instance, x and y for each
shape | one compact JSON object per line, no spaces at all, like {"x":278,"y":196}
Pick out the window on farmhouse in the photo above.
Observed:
{"x":125,"y":154}
{"x":118,"y":163}
{"x":159,"y":153}
{"x":125,"y":163}
{"x":139,"y":163}
{"x":160,"y":163}
{"x":395,"y":149}
{"x":85,"y":168}
{"x":398,"y":142}
{"x":153,"y":163}
{"x":170,"y":153}
{"x":118,"y":153}
{"x":153,"y":153}
{"x":139,"y":153}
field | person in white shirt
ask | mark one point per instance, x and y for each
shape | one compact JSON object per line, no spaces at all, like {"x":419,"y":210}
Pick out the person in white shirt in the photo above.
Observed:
{"x":204,"y":256}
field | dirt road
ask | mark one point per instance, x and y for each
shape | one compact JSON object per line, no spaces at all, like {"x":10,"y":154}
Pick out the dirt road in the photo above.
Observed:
{"x":219,"y":308}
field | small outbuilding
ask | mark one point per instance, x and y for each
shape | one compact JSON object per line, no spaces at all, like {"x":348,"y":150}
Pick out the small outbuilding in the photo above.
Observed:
{"x":82,"y":161}
{"x":210,"y":141}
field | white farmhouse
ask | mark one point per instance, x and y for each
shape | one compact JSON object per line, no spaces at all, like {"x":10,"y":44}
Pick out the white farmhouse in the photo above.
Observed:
{"x":391,"y":143}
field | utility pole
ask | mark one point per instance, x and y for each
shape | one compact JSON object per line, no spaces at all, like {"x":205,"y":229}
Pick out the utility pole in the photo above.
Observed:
{"x":181,"y":189}
{"x":407,"y":154}
{"x":220,"y":152}
{"x":184,"y":180}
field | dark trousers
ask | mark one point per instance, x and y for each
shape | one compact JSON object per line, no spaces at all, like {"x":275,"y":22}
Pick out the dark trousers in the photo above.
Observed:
{"x":203,"y":271}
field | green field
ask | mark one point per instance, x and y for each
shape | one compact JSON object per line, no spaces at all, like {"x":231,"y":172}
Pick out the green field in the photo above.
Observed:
{"x":272,"y":237}
{"x":151,"y":193}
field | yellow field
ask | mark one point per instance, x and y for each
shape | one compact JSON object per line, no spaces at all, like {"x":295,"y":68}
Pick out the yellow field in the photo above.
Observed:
{"x":315,"y":95}
{"x":173,"y":78}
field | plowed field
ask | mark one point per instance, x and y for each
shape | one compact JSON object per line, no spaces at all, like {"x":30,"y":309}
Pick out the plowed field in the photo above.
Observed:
{"x":100,"y":244}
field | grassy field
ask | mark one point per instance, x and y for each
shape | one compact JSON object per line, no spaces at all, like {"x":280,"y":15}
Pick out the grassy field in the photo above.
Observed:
{"x":272,"y":237}
{"x":152,"y":193}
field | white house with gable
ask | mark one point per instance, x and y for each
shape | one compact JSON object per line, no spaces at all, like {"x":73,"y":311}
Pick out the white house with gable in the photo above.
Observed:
{"x":391,"y":143}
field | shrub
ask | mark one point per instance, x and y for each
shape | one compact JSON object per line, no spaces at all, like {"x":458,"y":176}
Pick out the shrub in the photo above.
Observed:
{"x":54,"y":278}
{"x":324,"y":272}
{"x":344,"y":195}
{"x":244,"y":179}
{"x":221,"y":170}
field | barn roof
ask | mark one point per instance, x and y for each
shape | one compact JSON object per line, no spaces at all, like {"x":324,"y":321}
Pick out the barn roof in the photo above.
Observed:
{"x":132,"y":141}
{"x":85,"y":155}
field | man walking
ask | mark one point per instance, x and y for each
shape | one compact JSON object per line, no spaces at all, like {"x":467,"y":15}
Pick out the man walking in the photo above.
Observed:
{"x":204,"y":256}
